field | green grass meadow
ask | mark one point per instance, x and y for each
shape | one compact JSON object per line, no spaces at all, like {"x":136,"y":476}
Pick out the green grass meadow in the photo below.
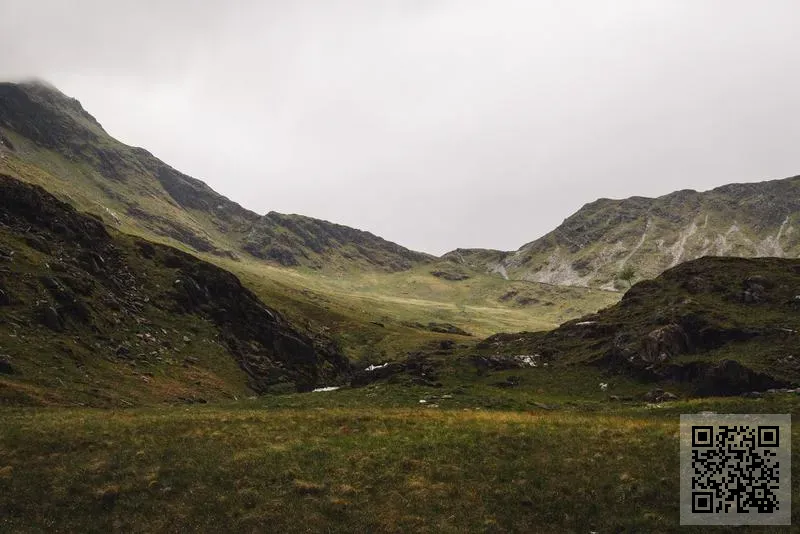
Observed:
{"x":343,"y":461}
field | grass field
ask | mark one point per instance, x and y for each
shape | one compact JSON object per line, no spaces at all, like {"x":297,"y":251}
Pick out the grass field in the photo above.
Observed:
{"x":372,"y":314}
{"x":259,"y":466}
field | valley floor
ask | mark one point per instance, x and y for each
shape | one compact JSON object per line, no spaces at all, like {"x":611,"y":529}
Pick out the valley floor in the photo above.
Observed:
{"x":367,"y":460}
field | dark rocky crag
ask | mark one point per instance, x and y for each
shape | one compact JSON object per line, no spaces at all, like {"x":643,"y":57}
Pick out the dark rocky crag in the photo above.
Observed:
{"x":65,"y":272}
{"x":723,"y":326}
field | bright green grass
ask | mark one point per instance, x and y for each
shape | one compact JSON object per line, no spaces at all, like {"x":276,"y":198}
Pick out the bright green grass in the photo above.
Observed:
{"x":348,"y":305}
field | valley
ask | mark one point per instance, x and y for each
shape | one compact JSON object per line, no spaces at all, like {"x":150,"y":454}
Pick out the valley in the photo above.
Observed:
{"x":171,"y":361}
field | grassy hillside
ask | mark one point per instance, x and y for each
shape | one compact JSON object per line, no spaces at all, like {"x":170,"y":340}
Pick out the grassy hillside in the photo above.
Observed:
{"x":97,"y":317}
{"x":49,"y":139}
{"x":594,"y":245}
{"x":720,"y":326}
{"x":53,"y":142}
{"x":342,"y":282}
{"x":381,"y":316}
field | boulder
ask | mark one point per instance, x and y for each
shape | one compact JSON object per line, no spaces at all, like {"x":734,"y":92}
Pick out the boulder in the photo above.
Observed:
{"x":663,"y":343}
{"x":51,"y":319}
{"x":729,"y":377}
{"x":659,"y":395}
{"x":510,"y":382}
{"x":362,"y":378}
{"x":453,"y":276}
{"x":37,"y":243}
{"x":754,"y":289}
{"x":5,"y":366}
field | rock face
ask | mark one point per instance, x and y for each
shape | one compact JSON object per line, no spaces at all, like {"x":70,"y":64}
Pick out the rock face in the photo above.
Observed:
{"x":297,"y":240}
{"x":595,"y":244}
{"x":693,"y":324}
{"x":664,"y":342}
{"x":267,"y":348}
{"x":135,"y":299}
{"x":128,"y":185}
{"x":452,"y":275}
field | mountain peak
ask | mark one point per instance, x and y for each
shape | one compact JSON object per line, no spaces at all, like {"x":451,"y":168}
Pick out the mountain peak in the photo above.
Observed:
{"x":48,"y":117}
{"x":130,"y":187}
{"x":47,"y":94}
{"x":593,"y":245}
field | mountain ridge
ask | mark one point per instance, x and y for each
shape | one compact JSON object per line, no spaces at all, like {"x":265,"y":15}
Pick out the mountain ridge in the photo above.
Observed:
{"x":48,"y":137}
{"x":593,"y":245}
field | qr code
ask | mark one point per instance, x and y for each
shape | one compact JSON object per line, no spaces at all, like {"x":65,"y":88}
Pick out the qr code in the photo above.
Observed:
{"x":735,"y":469}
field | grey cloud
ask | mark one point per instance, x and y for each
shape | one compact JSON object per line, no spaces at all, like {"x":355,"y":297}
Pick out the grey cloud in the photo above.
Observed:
{"x":435,"y":124}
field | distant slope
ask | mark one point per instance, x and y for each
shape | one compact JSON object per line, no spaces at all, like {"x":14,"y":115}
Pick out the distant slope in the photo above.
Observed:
{"x":720,"y":325}
{"x":479,"y":258}
{"x":591,"y":247}
{"x":297,"y":240}
{"x":94,"y":316}
{"x":48,"y":139}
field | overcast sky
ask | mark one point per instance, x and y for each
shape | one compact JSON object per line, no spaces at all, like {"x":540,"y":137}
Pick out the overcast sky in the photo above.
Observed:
{"x":433,"y":123}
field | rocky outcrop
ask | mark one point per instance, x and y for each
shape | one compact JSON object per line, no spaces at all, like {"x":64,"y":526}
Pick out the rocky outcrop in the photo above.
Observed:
{"x":724,"y":325}
{"x":81,"y":280}
{"x":297,"y":240}
{"x":439,"y":328}
{"x":267,"y":348}
{"x":450,"y":274}
{"x":663,"y":343}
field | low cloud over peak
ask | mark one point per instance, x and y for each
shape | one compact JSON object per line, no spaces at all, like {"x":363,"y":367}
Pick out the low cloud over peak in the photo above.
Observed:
{"x":437,"y":124}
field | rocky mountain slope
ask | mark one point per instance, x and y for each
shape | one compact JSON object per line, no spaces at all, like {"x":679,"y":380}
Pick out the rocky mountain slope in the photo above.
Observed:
{"x":595,"y":244}
{"x":298,"y":240}
{"x":48,"y":139}
{"x":718,"y":326}
{"x":94,"y":316}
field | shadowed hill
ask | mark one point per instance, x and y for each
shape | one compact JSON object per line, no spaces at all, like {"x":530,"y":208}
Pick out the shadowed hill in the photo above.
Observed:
{"x":723,"y":325}
{"x":94,"y":316}
{"x":48,"y":139}
{"x":298,"y":240}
